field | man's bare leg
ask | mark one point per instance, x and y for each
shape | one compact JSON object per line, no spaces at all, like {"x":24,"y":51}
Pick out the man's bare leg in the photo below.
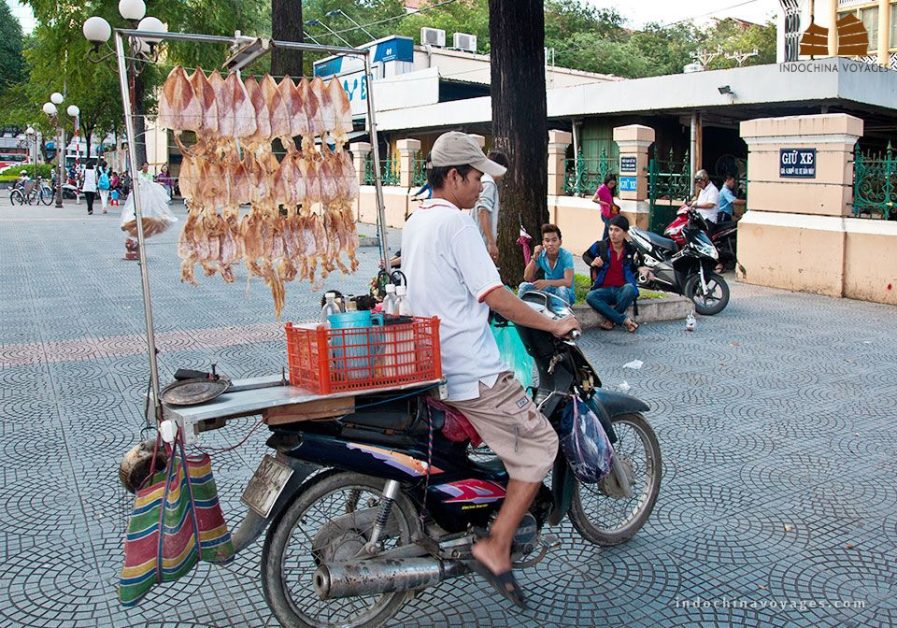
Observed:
{"x":495,"y":552}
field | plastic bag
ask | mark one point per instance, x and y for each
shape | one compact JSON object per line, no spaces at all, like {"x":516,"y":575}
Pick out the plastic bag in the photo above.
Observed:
{"x":585,"y":443}
{"x":513,"y":352}
{"x":157,"y":216}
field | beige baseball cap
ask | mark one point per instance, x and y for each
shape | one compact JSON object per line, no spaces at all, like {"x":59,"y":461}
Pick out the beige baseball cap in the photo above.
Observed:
{"x":459,"y":149}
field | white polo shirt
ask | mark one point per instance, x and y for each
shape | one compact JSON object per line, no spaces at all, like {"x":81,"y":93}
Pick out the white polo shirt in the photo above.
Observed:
{"x":449,"y":274}
{"x":710,"y":194}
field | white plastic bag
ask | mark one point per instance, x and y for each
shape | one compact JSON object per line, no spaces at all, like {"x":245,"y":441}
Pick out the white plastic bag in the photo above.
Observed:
{"x":157,"y":216}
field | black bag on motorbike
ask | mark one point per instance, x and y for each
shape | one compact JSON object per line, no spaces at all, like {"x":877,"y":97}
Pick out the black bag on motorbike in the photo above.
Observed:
{"x":584,"y":442}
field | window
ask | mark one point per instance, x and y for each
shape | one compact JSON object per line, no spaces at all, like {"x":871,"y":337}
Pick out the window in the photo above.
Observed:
{"x":869,"y":18}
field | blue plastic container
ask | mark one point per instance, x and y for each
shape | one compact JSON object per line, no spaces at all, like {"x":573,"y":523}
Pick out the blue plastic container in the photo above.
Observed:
{"x":353,"y":351}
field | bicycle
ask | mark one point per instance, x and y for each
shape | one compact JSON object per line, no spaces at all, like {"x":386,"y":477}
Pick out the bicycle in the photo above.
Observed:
{"x":22,"y":193}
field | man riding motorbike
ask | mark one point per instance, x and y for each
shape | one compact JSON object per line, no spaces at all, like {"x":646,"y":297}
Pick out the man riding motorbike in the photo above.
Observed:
{"x":451,"y":275}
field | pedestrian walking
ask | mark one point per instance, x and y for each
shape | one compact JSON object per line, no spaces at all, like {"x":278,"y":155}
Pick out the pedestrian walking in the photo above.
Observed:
{"x":89,"y":185}
{"x":604,"y":196}
{"x":103,"y":184}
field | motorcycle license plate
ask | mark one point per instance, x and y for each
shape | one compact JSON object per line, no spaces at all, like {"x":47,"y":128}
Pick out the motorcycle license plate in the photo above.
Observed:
{"x":266,"y":485}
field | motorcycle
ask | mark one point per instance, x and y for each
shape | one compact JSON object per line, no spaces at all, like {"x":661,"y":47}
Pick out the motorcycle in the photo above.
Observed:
{"x":723,"y":234}
{"x":688,"y":271}
{"x":381,"y":504}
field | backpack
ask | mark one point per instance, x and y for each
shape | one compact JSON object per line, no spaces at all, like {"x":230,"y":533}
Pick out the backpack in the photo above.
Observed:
{"x":103,"y":182}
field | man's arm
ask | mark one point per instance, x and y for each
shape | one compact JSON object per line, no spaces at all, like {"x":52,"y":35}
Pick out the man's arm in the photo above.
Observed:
{"x":518,"y":312}
{"x":483,"y":218}
{"x":532,"y":268}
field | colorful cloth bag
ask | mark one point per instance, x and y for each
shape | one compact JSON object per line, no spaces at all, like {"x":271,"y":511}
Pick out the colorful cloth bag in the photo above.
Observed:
{"x":176,"y":521}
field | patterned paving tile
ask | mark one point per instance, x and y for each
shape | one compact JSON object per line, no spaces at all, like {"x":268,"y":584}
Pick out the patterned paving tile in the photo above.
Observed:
{"x":775,"y":420}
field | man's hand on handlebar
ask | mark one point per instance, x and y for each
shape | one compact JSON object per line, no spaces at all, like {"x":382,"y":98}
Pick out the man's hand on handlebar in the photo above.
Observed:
{"x":568,"y":326}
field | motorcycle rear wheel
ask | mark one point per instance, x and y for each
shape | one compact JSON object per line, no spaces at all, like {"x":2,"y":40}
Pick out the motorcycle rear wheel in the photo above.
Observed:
{"x":290,"y":558}
{"x":607,"y":520}
{"x":714,"y":301}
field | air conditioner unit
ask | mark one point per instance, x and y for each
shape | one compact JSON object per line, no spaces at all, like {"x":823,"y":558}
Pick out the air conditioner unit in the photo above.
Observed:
{"x":432,"y":37}
{"x":465,"y":41}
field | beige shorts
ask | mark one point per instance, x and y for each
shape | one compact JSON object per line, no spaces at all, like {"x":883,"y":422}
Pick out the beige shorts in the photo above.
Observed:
{"x":509,"y":422}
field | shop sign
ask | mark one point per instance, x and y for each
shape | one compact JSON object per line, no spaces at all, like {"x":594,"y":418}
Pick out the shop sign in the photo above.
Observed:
{"x":628,"y":163}
{"x":797,"y":163}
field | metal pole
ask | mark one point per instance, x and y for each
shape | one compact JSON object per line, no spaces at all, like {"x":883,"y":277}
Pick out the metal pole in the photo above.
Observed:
{"x":60,"y":158}
{"x":375,"y":148}
{"x":138,"y":214}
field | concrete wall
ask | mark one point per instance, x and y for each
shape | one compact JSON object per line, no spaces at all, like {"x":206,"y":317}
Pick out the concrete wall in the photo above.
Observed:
{"x":799,"y":233}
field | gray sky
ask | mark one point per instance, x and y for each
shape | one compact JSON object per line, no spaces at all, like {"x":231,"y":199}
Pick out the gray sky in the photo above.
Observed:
{"x":638,"y":12}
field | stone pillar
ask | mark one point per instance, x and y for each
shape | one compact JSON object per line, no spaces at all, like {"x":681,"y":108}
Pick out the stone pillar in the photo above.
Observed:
{"x":360,"y":152}
{"x":634,"y":141}
{"x":884,"y":32}
{"x":408,"y":150}
{"x":558,"y":141}
{"x":800,"y":191}
{"x":832,"y":12}
{"x":479,"y":139}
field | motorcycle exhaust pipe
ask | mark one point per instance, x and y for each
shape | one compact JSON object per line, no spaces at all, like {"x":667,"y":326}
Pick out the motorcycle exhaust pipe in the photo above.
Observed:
{"x":378,"y":576}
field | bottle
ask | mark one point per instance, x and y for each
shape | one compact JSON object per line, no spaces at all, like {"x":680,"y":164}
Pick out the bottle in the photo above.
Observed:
{"x":405,"y":350}
{"x":390,"y":305}
{"x":690,"y":322}
{"x":404,"y":307}
{"x":329,"y":308}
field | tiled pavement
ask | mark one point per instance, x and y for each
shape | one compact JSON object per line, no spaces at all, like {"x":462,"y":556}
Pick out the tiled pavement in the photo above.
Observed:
{"x":776,"y":421}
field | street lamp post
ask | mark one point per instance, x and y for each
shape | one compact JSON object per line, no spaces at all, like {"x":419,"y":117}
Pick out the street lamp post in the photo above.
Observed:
{"x":29,"y":138}
{"x":51,"y":109}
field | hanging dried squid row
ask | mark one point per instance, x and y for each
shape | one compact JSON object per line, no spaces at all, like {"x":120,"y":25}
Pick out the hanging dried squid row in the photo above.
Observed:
{"x":231,"y":163}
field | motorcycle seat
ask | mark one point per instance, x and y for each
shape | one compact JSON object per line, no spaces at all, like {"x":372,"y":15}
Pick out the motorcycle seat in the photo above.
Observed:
{"x":722,"y":226}
{"x":659,"y":240}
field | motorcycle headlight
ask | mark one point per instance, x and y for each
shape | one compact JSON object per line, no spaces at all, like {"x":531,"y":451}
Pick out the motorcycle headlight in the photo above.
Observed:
{"x":705,"y":247}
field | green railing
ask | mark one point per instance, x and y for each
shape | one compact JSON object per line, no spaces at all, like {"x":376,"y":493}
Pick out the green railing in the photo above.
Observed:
{"x":874,"y":183}
{"x":389,"y":171}
{"x":420,"y":172}
{"x":583,"y":176}
{"x":669,"y":184}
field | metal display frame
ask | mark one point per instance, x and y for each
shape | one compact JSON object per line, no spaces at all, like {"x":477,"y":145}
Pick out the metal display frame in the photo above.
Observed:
{"x":254,"y":48}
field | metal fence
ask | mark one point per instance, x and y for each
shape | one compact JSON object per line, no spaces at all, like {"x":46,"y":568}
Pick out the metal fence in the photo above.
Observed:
{"x":419,"y":176}
{"x":874,"y":183}
{"x":583,"y":176}
{"x":389,"y":171}
{"x":669,"y":184}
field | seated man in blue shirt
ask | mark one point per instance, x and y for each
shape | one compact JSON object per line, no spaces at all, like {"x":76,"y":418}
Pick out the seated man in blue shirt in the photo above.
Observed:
{"x":556,"y":264}
{"x":727,"y":199}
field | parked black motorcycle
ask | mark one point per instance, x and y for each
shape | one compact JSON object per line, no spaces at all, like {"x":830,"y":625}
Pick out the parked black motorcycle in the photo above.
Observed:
{"x":723,"y":234}
{"x":381,"y":504}
{"x":688,"y":270}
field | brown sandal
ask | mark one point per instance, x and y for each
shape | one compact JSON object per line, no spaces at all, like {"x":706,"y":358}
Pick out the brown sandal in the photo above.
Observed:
{"x":631,"y":325}
{"x":606,"y":325}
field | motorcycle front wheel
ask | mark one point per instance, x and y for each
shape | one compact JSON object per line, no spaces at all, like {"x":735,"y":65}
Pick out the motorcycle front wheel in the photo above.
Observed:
{"x":711,"y":302}
{"x":306,"y":535}
{"x":601,"y":512}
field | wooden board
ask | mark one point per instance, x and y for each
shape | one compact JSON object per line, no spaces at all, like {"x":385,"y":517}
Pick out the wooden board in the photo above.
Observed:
{"x":309,"y":411}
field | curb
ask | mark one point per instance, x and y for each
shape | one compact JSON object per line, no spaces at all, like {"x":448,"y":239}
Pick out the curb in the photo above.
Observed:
{"x":672,"y":307}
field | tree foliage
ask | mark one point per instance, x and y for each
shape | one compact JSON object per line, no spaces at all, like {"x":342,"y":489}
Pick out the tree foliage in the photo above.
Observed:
{"x":12,"y":63}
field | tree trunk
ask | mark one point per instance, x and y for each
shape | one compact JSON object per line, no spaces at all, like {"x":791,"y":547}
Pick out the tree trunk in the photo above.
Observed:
{"x":286,"y":25}
{"x":519,"y":124}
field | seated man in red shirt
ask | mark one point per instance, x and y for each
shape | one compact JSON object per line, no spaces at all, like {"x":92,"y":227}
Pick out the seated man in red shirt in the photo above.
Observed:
{"x":613,"y":268}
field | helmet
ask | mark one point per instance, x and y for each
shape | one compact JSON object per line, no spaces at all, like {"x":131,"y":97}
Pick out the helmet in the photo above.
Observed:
{"x":701,"y":175}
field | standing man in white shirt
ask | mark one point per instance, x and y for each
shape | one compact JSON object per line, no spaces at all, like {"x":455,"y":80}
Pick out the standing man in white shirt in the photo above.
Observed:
{"x":451,"y":276}
{"x":707,"y":202}
{"x":485,"y":211}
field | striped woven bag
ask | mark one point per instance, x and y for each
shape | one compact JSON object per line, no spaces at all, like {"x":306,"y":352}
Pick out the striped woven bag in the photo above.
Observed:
{"x":176,"y":521}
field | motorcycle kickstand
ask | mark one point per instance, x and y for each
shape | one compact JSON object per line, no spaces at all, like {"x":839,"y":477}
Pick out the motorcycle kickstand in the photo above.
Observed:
{"x":390,"y":492}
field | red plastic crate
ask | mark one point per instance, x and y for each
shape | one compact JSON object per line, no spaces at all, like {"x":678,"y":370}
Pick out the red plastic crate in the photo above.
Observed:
{"x":326,"y":360}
